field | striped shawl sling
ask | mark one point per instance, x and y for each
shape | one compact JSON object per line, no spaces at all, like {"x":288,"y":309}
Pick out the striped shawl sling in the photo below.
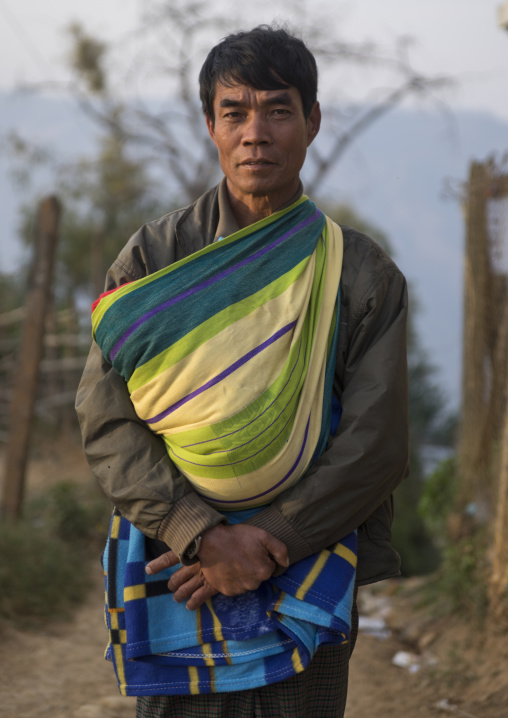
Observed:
{"x":228,"y":355}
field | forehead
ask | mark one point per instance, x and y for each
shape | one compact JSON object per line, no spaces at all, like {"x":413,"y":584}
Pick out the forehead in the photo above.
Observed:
{"x":239,"y":94}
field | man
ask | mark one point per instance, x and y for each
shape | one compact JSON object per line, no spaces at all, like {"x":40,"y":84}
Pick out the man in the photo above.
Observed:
{"x":258,"y":91}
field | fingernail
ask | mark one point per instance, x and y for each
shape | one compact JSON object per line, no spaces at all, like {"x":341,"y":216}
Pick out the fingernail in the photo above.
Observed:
{"x":148,"y":570}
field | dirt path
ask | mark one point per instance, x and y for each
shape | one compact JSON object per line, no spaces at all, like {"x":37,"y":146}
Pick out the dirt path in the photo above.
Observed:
{"x":59,"y":672}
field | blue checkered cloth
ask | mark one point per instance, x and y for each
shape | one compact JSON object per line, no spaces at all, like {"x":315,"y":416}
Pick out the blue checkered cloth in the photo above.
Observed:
{"x":159,"y":647}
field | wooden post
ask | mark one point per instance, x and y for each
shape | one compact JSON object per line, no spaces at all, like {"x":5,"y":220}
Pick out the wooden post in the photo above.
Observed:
{"x":474,"y":447}
{"x":27,"y":373}
{"x":498,"y":588}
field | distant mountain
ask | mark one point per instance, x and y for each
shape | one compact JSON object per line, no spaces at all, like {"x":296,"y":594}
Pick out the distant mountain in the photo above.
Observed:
{"x":394,"y":175}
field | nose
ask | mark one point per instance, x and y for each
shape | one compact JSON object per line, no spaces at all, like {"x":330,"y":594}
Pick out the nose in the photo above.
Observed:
{"x":256,"y":130}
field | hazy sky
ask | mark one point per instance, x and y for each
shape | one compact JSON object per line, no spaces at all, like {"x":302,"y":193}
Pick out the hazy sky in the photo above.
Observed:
{"x":460,"y":38}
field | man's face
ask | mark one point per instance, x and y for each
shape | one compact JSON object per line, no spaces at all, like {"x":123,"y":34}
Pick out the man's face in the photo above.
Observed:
{"x":262,"y":138}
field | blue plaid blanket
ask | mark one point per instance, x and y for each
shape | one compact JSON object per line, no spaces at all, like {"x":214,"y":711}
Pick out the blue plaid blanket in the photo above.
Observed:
{"x":159,"y":647}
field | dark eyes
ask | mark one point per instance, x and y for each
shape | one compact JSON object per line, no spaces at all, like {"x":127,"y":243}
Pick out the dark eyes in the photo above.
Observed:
{"x":237,"y":114}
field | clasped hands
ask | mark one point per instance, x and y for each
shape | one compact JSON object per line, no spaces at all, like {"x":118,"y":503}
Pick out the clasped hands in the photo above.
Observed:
{"x":232,"y":560}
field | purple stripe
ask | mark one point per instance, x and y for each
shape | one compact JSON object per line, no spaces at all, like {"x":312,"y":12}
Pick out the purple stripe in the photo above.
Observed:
{"x":208,"y":282}
{"x":223,"y":375}
{"x":241,"y":428}
{"x":258,"y":496}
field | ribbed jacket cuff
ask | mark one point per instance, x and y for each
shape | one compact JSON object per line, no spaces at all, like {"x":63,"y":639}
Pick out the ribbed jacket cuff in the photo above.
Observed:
{"x":271,"y":520}
{"x":190,"y":517}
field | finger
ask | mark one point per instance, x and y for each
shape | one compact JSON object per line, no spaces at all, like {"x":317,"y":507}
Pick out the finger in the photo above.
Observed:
{"x":186,"y":590}
{"x":278,"y":551}
{"x":200,"y":596}
{"x":183,"y":575}
{"x":167,"y":560}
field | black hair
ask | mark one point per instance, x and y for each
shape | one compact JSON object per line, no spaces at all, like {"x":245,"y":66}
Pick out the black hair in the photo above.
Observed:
{"x":265,"y":58}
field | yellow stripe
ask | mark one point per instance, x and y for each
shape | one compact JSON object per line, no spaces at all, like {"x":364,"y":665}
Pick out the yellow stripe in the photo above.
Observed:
{"x":312,"y":575}
{"x":207,"y":648}
{"x":217,"y":626}
{"x":193,"y":680}
{"x":279,"y":601}
{"x":226,"y":652}
{"x":115,"y":526}
{"x":345,"y":553}
{"x":120,"y":669}
{"x":131,"y":593}
{"x":123,"y":635}
{"x":113,"y":617}
{"x":296,"y":661}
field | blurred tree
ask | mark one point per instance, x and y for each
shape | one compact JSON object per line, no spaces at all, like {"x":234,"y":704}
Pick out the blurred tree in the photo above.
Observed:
{"x":106,"y":198}
{"x":176,"y":36}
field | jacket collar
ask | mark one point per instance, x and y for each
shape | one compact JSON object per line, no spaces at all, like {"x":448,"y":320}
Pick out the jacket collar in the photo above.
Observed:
{"x":208,"y":218}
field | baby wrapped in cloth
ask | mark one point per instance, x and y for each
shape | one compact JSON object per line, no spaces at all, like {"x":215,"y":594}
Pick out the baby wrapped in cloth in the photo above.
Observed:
{"x":229,"y":356}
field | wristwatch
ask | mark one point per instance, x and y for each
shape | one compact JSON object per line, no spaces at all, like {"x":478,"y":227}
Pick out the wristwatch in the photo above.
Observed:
{"x":190,"y":554}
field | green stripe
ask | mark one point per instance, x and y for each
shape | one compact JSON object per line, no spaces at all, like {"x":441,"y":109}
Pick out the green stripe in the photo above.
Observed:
{"x":219,"y":429}
{"x":275,"y":436}
{"x":250,"y":439}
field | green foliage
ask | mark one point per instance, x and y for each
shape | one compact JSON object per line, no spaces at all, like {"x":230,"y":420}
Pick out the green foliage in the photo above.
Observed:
{"x":438,"y":498}
{"x":460,"y":583}
{"x":415,"y":544}
{"x":45,"y":558}
{"x":87,"y":59}
{"x":463,"y":574}
{"x":105,"y":199}
{"x":12,"y":291}
{"x":42,"y":576}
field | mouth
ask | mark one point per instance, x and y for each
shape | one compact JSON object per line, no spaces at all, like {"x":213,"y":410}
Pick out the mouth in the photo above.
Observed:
{"x":257,"y":163}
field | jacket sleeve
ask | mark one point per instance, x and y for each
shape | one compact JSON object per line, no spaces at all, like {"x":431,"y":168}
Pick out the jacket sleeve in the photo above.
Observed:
{"x":129,"y":461}
{"x":368,"y":457}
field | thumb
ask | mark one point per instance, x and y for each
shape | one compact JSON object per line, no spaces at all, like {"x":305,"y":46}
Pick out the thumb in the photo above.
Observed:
{"x":278,"y":551}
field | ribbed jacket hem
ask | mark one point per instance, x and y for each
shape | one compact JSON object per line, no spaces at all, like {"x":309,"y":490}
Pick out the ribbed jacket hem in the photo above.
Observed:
{"x":189,"y":518}
{"x":271,"y":520}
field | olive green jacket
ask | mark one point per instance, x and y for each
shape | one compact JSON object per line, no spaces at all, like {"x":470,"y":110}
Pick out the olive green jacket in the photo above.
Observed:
{"x":349,"y":487}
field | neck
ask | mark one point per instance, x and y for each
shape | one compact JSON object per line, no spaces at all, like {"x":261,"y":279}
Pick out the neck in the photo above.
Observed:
{"x":251,"y":209}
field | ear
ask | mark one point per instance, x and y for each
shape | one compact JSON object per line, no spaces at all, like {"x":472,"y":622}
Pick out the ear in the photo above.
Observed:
{"x":211,"y":128}
{"x":313,"y":123}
